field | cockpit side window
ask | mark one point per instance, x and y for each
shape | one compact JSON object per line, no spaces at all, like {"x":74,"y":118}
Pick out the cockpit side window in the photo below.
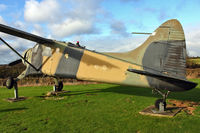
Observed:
{"x":35,"y":48}
{"x":47,"y":52}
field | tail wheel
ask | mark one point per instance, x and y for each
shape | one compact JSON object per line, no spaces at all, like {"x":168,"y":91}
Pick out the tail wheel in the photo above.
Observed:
{"x":10,"y":83}
{"x":157,"y":103}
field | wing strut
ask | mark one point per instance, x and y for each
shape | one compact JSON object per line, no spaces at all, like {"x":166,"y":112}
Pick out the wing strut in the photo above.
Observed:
{"x":19,"y":54}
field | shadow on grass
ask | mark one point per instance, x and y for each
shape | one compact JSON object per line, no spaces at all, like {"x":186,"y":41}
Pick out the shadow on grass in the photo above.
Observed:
{"x":12,"y":109}
{"x":191,"y":95}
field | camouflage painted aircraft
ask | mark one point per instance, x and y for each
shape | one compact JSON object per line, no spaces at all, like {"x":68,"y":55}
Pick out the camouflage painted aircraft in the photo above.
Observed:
{"x":159,"y":63}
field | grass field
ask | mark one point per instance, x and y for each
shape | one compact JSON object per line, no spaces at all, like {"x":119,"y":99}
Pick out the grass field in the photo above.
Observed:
{"x":93,"y":108}
{"x":196,"y":60}
{"x":193,"y":63}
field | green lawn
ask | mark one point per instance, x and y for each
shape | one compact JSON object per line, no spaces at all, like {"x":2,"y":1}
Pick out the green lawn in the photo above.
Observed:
{"x":196,"y":61}
{"x":193,"y":63}
{"x":93,"y":109}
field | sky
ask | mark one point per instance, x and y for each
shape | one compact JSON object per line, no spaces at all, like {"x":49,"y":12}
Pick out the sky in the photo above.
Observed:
{"x":101,"y":25}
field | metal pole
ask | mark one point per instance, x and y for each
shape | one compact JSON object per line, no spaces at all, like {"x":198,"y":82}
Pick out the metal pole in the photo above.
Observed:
{"x":16,"y":90}
{"x":56,"y":84}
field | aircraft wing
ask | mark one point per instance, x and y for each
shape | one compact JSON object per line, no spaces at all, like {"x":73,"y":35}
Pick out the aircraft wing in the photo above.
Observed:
{"x":186,"y":83}
{"x":24,"y":35}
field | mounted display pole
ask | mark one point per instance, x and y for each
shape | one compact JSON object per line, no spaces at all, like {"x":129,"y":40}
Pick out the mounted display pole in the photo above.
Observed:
{"x":10,"y":83}
{"x":16,"y":90}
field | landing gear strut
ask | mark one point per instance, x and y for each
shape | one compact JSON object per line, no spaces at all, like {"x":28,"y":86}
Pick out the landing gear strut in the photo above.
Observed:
{"x":10,"y":83}
{"x":160,"y":107}
{"x":58,"y":85}
{"x":161,"y":104}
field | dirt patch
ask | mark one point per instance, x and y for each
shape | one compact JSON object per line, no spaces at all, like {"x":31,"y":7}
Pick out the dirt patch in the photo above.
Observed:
{"x":41,"y":81}
{"x":188,"y":106}
{"x":56,"y":93}
{"x":22,"y":98}
{"x":54,"y":98}
{"x":193,"y":73}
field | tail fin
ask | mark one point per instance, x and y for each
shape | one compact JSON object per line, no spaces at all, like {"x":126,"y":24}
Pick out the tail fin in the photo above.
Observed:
{"x":164,"y":51}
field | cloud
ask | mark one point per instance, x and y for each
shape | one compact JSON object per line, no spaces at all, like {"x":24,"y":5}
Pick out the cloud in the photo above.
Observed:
{"x":17,"y":24}
{"x":113,"y":43}
{"x":6,"y":54}
{"x":44,"y":11}
{"x":86,"y":9}
{"x":192,"y":35}
{"x":125,"y":44}
{"x":89,"y":22}
{"x":2,"y":7}
{"x":64,"y":18}
{"x":118,"y":27}
{"x":2,"y":21}
{"x":38,"y":30}
{"x":20,"y":25}
{"x":80,"y":20}
{"x":2,"y":35}
{"x":72,"y":27}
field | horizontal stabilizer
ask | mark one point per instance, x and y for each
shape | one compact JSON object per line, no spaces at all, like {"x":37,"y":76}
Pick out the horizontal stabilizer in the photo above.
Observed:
{"x":24,"y":35}
{"x":188,"y":84}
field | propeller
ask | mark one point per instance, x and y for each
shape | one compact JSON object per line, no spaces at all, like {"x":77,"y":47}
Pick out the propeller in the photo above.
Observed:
{"x":15,"y":62}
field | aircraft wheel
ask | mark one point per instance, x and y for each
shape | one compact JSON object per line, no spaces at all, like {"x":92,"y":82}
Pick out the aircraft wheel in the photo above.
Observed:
{"x":58,"y":87}
{"x":157,"y":103}
{"x":9,"y":83}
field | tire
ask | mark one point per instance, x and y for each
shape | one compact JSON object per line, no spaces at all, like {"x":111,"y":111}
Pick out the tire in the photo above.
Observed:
{"x":157,"y":103}
{"x":10,"y":83}
{"x":60,"y":86}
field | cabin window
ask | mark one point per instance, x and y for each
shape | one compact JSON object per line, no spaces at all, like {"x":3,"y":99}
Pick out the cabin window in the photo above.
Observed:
{"x":47,"y":52}
{"x":35,"y":48}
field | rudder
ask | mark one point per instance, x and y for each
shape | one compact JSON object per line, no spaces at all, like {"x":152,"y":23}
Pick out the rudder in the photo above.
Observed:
{"x":165,"y":50}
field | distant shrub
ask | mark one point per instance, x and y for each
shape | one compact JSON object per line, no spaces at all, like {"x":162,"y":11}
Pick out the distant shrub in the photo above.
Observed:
{"x":193,"y":62}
